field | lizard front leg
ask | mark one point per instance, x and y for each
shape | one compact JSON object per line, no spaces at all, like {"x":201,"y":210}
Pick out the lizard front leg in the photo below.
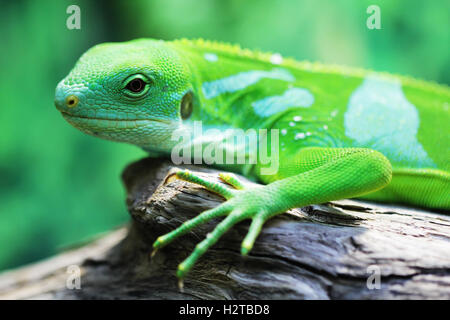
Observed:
{"x":315,"y":175}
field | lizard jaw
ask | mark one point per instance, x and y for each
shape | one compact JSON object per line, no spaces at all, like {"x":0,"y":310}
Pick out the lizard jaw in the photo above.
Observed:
{"x":151,"y":134}
{"x":111,"y":121}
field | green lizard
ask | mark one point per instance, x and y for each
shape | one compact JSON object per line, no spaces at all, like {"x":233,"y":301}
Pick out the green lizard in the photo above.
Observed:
{"x":342,"y":132}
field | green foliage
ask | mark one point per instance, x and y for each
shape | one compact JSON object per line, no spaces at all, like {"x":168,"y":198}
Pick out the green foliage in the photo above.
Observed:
{"x":59,"y":186}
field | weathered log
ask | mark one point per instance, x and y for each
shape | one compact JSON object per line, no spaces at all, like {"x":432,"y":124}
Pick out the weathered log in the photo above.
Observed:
{"x":326,"y":251}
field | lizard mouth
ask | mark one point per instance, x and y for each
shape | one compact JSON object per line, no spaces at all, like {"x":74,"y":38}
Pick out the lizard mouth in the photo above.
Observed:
{"x":110,"y":121}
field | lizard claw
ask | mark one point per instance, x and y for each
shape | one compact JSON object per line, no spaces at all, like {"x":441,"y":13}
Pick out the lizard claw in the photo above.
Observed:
{"x":242,"y":203}
{"x":181,"y":285}
{"x":215,"y":187}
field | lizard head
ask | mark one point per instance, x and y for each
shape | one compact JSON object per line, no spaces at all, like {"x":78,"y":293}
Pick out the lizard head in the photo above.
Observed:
{"x":136,"y":92}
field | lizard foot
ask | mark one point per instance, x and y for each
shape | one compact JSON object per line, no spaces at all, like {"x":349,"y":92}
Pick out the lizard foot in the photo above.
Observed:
{"x":242,"y":203}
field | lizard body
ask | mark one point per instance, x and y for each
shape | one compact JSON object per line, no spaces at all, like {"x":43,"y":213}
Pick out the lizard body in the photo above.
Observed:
{"x":343,"y":132}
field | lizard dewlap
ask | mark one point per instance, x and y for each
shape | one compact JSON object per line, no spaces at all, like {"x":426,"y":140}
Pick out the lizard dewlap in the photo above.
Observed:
{"x":341,"y":132}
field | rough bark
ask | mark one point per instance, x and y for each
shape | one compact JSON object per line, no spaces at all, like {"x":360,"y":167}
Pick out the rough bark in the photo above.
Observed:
{"x":326,"y":251}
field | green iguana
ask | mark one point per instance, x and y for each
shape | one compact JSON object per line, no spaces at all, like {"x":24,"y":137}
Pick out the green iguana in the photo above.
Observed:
{"x":343,"y":133}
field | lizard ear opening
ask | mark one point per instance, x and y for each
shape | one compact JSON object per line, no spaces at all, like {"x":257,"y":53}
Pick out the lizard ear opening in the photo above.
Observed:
{"x":186,"y":106}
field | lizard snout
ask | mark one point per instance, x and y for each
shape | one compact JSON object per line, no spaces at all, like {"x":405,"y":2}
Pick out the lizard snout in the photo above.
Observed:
{"x":66,"y":98}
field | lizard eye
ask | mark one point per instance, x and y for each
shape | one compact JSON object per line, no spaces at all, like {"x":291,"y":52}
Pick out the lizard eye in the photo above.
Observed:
{"x":136,"y":86}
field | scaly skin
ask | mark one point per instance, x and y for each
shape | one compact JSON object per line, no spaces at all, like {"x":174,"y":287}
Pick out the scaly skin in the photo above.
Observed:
{"x":344,"y":133}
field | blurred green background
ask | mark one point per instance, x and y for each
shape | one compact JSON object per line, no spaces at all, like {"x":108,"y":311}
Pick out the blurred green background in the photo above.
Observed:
{"x":59,"y":186}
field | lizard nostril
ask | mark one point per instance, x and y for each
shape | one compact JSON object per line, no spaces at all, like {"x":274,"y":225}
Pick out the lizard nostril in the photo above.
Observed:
{"x":72,"y":101}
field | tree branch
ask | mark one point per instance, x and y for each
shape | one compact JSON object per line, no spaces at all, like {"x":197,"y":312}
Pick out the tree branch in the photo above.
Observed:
{"x":327,"y":251}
